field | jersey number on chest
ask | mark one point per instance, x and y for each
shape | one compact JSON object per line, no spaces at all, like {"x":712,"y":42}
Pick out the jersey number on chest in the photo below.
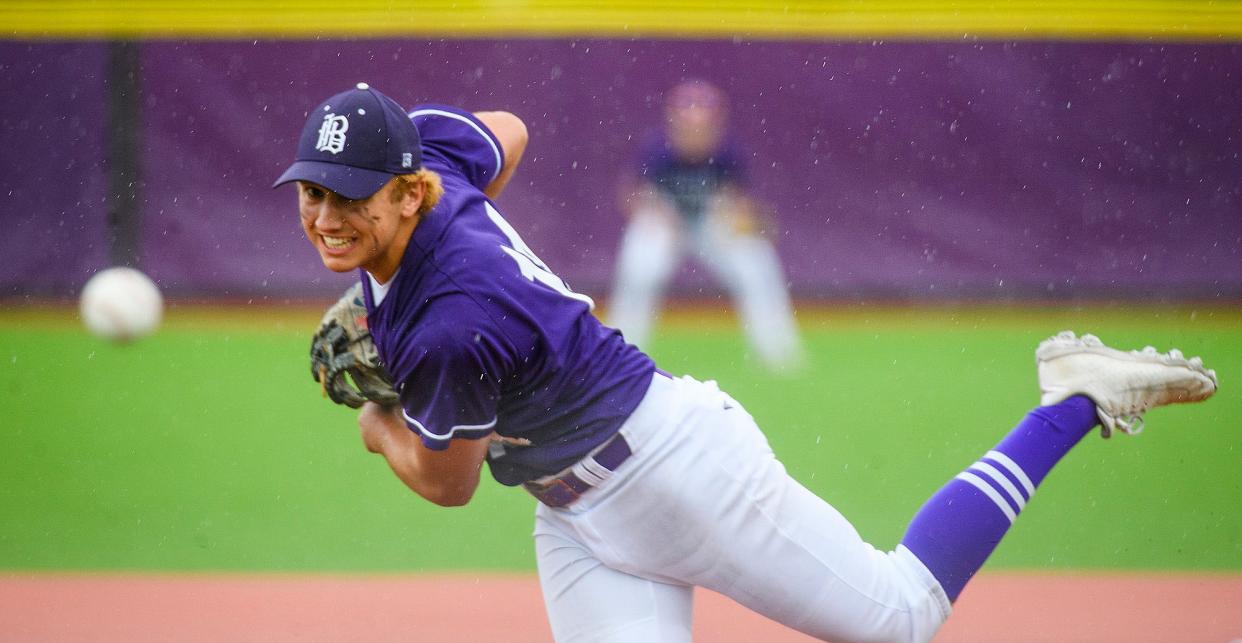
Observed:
{"x":530,"y":265}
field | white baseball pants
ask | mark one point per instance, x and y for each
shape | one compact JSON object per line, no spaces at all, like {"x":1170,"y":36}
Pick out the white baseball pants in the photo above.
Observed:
{"x":747,"y":265}
{"x":703,"y":501}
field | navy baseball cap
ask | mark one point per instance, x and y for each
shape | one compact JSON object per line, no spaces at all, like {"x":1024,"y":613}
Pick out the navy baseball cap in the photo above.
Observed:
{"x":354,"y":143}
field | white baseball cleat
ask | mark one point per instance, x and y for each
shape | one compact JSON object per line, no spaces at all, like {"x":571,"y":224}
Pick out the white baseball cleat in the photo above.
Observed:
{"x":1123,"y":385}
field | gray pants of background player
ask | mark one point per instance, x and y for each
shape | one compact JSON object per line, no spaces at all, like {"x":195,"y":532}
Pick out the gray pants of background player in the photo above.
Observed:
{"x":746,"y":264}
{"x":703,"y":501}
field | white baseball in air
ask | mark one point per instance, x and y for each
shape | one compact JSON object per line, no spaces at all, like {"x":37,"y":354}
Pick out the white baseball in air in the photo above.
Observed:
{"x":121,"y":304}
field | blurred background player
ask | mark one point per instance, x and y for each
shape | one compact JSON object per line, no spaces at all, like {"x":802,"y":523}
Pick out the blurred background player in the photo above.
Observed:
{"x":689,"y":195}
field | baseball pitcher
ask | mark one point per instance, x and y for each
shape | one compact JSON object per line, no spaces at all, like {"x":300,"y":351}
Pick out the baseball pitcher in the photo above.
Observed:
{"x":461,"y":347}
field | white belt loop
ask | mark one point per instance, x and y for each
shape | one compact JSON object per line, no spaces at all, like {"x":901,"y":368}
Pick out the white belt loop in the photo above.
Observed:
{"x":591,"y":472}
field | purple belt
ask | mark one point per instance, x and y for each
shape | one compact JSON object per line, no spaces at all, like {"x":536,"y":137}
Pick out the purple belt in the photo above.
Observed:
{"x":563,"y":490}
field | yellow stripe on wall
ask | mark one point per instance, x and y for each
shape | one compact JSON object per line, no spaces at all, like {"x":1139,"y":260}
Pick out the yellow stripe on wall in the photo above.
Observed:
{"x":1199,"y":20}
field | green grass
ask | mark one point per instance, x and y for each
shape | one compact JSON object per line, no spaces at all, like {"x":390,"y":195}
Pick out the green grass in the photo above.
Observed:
{"x":209,"y":448}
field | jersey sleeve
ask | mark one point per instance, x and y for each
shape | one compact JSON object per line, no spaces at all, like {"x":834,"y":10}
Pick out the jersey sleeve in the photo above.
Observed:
{"x":459,"y":139}
{"x":652,"y":154}
{"x":451,"y":383}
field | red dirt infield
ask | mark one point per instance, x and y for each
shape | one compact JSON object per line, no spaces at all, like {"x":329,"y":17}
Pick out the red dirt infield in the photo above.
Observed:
{"x":468,"y":607}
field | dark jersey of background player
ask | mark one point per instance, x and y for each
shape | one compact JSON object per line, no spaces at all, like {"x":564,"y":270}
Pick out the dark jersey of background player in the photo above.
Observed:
{"x":689,"y":182}
{"x":480,"y":336}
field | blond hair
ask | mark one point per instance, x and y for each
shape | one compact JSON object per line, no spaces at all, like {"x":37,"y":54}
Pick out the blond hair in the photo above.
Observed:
{"x":433,"y":188}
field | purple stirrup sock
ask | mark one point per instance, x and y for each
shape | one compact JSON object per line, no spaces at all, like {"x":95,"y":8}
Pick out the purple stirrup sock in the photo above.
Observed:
{"x":957,"y":528}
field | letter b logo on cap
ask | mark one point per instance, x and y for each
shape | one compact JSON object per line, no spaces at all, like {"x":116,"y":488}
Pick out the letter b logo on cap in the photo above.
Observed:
{"x":332,"y":133}
{"x":382,"y":141}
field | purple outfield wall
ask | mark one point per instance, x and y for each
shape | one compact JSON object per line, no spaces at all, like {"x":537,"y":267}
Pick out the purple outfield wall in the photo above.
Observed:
{"x":909,"y":170}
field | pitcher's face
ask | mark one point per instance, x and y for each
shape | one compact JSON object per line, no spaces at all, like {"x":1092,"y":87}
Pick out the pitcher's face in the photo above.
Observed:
{"x":354,"y":233}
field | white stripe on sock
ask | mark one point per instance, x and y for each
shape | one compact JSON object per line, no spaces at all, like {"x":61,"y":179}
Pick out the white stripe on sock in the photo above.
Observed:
{"x":988,"y":491}
{"x":1001,"y":480}
{"x":1013,"y":467}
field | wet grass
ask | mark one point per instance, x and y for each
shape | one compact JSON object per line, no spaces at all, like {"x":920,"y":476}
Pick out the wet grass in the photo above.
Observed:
{"x":207,"y":445}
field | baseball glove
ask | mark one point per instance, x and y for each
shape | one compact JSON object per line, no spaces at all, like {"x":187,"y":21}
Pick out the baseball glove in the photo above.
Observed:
{"x":344,"y":359}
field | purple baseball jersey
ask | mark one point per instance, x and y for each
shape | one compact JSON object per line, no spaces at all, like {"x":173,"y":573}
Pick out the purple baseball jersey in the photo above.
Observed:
{"x":689,"y":183}
{"x":480,"y":336}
